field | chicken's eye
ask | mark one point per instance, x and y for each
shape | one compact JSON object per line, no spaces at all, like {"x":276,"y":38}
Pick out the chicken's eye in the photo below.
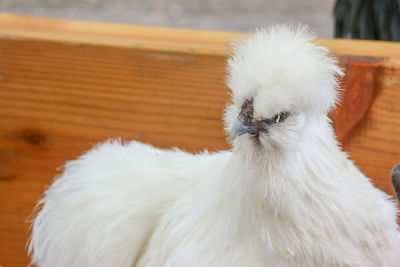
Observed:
{"x":281,"y":117}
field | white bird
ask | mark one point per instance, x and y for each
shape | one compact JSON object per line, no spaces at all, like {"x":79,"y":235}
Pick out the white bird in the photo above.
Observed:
{"x":285,"y":195}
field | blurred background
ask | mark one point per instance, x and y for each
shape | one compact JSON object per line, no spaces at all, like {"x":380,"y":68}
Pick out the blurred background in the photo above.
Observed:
{"x":359,"y":19}
{"x":226,"y":15}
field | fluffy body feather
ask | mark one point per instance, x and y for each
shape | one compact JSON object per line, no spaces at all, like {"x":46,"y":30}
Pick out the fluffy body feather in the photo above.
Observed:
{"x":291,"y":197}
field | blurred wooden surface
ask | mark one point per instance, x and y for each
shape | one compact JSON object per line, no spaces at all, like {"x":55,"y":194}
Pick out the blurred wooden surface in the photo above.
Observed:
{"x":65,"y":85}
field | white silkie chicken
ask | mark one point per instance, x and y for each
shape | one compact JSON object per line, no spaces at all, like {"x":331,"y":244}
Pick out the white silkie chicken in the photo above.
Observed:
{"x":286,"y":195}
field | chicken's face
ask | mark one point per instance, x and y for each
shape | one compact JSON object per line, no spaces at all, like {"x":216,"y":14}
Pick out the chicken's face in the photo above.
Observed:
{"x":248,"y":122}
{"x":281,"y":83}
{"x":273,"y":129}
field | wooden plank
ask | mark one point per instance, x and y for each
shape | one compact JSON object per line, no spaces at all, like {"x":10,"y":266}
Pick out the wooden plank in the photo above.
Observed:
{"x":158,"y":38}
{"x":374,"y":142}
{"x":367,"y":120}
{"x":65,"y":85}
{"x":56,"y":100}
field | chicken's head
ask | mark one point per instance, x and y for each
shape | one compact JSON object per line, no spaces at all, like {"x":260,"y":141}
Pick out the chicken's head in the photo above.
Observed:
{"x":280,"y":82}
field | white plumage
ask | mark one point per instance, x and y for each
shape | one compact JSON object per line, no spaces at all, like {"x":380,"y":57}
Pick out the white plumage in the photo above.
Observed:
{"x":286,"y":195}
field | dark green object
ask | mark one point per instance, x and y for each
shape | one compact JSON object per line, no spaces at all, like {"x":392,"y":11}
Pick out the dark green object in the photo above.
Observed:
{"x":368,"y":19}
{"x":396,"y":180}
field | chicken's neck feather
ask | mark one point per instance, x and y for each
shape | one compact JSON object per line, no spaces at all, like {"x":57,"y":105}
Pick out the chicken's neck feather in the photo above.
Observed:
{"x":275,"y":181}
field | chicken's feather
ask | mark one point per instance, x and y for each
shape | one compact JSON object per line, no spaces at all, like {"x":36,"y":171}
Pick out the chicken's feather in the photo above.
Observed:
{"x":102,"y":209}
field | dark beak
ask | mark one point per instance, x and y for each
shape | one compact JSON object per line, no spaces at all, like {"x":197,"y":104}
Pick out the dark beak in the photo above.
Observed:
{"x":240,"y":128}
{"x":246,"y":123}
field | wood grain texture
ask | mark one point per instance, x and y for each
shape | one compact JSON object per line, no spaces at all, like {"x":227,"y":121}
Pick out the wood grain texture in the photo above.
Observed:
{"x":65,"y":85}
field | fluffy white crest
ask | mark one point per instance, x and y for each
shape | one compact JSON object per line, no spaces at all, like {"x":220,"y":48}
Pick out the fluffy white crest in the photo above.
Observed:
{"x":282,"y":69}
